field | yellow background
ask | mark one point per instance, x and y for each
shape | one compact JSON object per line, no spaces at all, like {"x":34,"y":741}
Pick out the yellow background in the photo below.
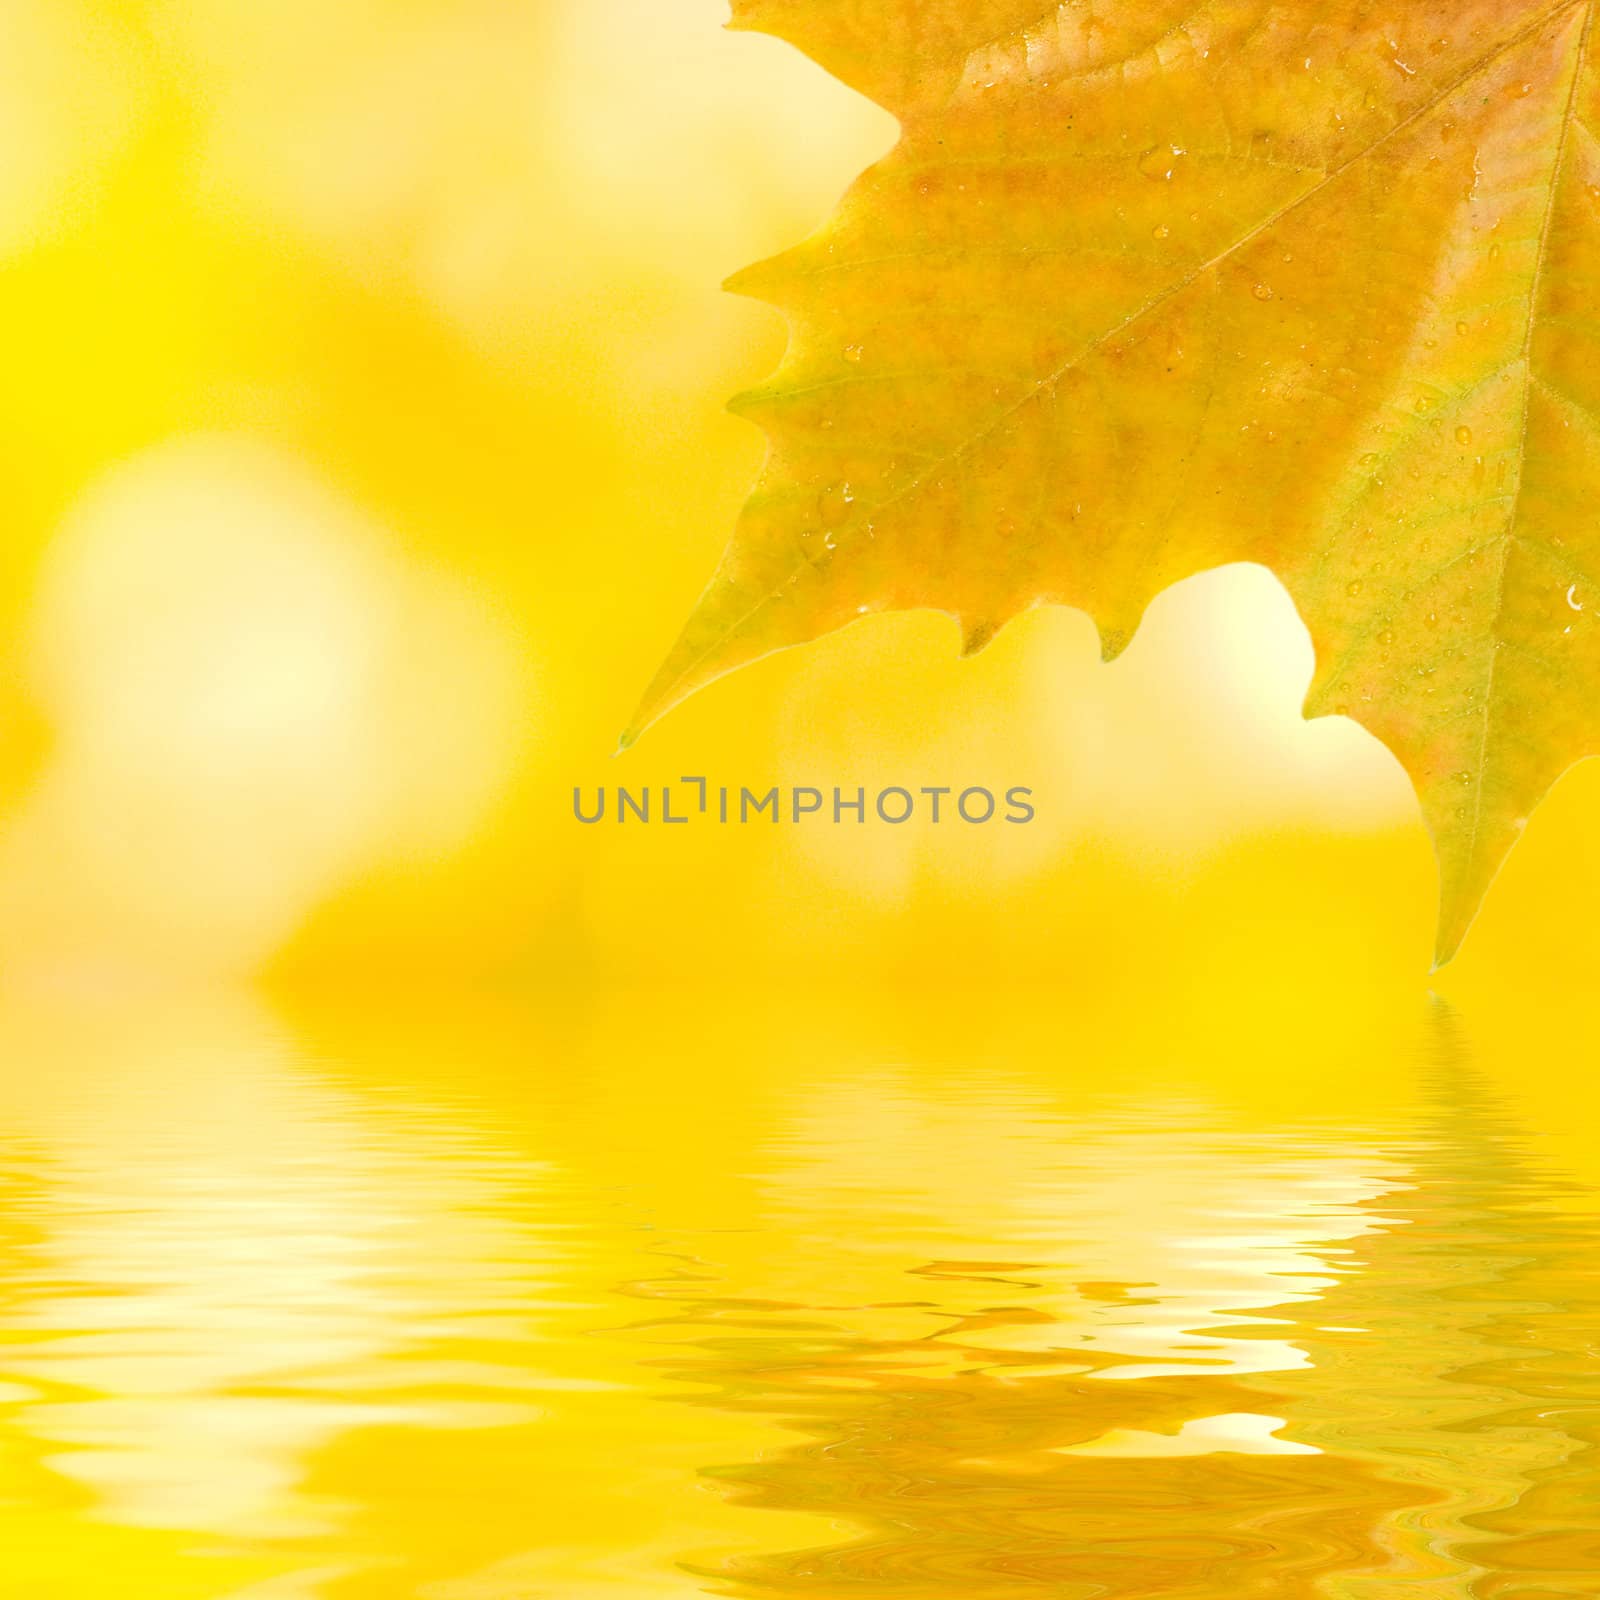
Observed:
{"x":362,"y":451}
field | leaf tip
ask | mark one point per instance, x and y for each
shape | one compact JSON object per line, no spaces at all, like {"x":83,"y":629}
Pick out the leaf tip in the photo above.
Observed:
{"x":746,"y":403}
{"x":1460,"y":901}
{"x":629,"y":738}
{"x":1447,"y":944}
{"x":761,"y":280}
{"x":1113,"y":641}
{"x":976,"y":634}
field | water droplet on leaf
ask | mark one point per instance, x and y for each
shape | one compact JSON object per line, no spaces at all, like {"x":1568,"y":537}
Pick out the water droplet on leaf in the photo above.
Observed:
{"x":1160,"y":162}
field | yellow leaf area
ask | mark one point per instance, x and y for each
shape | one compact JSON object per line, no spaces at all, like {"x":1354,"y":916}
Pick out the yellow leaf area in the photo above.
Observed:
{"x":1146,"y":288}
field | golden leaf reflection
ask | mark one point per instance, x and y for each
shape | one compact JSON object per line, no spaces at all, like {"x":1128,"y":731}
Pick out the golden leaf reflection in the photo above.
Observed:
{"x":600,"y":1299}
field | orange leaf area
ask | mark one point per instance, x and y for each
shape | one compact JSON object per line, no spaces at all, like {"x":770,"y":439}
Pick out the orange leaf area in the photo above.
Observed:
{"x":1146,"y":288}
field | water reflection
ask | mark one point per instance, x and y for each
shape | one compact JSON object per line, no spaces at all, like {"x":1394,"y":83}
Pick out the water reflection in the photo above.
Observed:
{"x":660,"y":1298}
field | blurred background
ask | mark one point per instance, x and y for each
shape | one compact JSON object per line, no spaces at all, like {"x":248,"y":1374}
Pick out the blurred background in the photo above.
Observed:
{"x":363,"y":449}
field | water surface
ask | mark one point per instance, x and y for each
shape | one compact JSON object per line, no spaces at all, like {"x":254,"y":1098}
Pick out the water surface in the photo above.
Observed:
{"x":647,"y":1296}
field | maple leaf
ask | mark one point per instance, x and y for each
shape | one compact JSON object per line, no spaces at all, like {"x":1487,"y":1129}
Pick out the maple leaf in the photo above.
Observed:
{"x":1149,"y":286}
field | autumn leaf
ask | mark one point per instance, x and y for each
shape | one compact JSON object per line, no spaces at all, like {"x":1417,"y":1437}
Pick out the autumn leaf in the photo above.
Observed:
{"x":1148,"y":286}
